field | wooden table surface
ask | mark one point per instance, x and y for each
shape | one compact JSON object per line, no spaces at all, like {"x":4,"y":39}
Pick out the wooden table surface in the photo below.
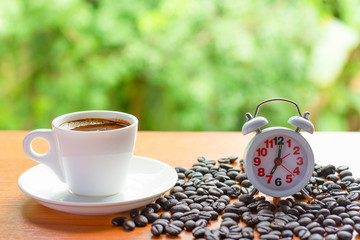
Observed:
{"x":23,"y":218}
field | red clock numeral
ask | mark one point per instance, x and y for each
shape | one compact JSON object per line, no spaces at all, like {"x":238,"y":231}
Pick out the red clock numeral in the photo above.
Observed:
{"x":261,"y":151}
{"x":296,"y":170}
{"x":269,"y":143}
{"x":296,"y":150}
{"x":257,"y":161}
{"x":288,"y":178}
{"x":269,"y":178}
{"x":289,"y":143}
{"x":261,"y":172}
{"x":300,"y":161}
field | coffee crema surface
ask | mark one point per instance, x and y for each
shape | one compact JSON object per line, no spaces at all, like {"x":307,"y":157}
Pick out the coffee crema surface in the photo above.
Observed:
{"x":95,"y":124}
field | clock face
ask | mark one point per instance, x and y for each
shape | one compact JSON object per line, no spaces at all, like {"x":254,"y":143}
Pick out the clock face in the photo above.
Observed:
{"x":279,"y":162}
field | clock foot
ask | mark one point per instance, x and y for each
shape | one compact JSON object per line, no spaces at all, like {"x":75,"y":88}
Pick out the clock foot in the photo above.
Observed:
{"x":306,"y":194}
{"x":253,"y":192}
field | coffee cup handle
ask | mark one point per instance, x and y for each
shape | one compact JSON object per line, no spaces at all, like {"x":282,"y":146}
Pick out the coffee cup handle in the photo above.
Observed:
{"x":51,"y":158}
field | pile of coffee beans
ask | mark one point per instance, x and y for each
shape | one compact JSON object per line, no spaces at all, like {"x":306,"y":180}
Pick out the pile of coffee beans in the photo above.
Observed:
{"x":211,"y":189}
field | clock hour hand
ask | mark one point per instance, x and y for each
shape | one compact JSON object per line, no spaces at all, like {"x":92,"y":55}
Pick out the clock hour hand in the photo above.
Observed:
{"x":273,"y":169}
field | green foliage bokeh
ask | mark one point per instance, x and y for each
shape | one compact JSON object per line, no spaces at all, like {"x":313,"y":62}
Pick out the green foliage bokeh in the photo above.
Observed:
{"x":176,"y":65}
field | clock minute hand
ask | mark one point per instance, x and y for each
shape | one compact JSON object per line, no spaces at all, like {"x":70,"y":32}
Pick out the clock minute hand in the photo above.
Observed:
{"x":279,"y":153}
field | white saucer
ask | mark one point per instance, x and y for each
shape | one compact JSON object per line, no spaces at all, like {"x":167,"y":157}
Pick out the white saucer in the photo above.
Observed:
{"x":148,"y":180}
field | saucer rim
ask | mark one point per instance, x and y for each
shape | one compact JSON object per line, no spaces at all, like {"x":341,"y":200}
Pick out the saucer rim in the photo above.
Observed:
{"x":169,"y":183}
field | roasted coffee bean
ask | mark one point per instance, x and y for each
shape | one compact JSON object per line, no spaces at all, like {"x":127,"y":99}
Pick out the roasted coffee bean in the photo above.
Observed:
{"x":154,"y":206}
{"x":165,"y":215}
{"x":344,"y":215}
{"x":342,"y":168}
{"x":216,"y":191}
{"x":347,"y":227}
{"x":234,"y":191}
{"x":199,"y":232}
{"x":246,"y":198}
{"x":287,"y":233}
{"x":224,"y":160}
{"x":318,"y":230}
{"x":232,"y":174}
{"x":353,"y":196}
{"x":152,"y":217}
{"x":233,"y":216}
{"x":176,"y":189}
{"x":240,"y":177}
{"x":201,"y":223}
{"x":315,"y":236}
{"x":326,"y":170}
{"x":325,"y":212}
{"x":223,"y":231}
{"x":345,"y":173}
{"x":329,"y":222}
{"x":212,"y":234}
{"x":179,"y":208}
{"x":263,"y":229}
{"x":304,"y":234}
{"x":219,"y":206}
{"x":141,"y":220}
{"x":270,"y":236}
{"x":169,"y":204}
{"x":332,"y":177}
{"x":226,"y":166}
{"x":233,"y":158}
{"x":304,"y":221}
{"x":178,"y":223}
{"x":246,"y":183}
{"x":173,"y":230}
{"x":128,"y":225}
{"x":177,"y":215}
{"x":291,"y":225}
{"x":162,"y":222}
{"x":331,"y":237}
{"x":135,"y":212}
{"x":211,"y":162}
{"x":190,"y":215}
{"x":228,"y":222}
{"x":336,"y":218}
{"x":331,"y":229}
{"x":278,"y":225}
{"x":344,"y":235}
{"x":338,"y":210}
{"x":313,"y":225}
{"x":180,"y":195}
{"x":356,"y":219}
{"x":118,"y":221}
{"x":233,"y":209}
{"x":189,"y":225}
{"x":157,"y":229}
{"x":348,"y":221}
{"x":343,"y":201}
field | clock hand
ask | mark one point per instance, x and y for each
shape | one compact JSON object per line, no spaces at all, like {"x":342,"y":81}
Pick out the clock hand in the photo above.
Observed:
{"x":285,"y":156}
{"x":278,"y":160}
{"x":279,"y":153}
{"x":287,"y":169}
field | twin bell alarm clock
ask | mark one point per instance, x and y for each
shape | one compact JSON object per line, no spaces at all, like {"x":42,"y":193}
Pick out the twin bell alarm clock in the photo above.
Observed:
{"x":279,"y":161}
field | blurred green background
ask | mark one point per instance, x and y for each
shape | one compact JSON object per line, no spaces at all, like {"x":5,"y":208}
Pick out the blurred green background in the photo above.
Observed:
{"x":180,"y":64}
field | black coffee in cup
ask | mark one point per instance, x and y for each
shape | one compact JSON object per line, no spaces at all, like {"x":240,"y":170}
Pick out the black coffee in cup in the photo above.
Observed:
{"x":94,"y":124}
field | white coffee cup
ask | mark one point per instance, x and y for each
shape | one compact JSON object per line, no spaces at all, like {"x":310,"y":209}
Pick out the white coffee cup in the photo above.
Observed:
{"x":92,"y":163}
